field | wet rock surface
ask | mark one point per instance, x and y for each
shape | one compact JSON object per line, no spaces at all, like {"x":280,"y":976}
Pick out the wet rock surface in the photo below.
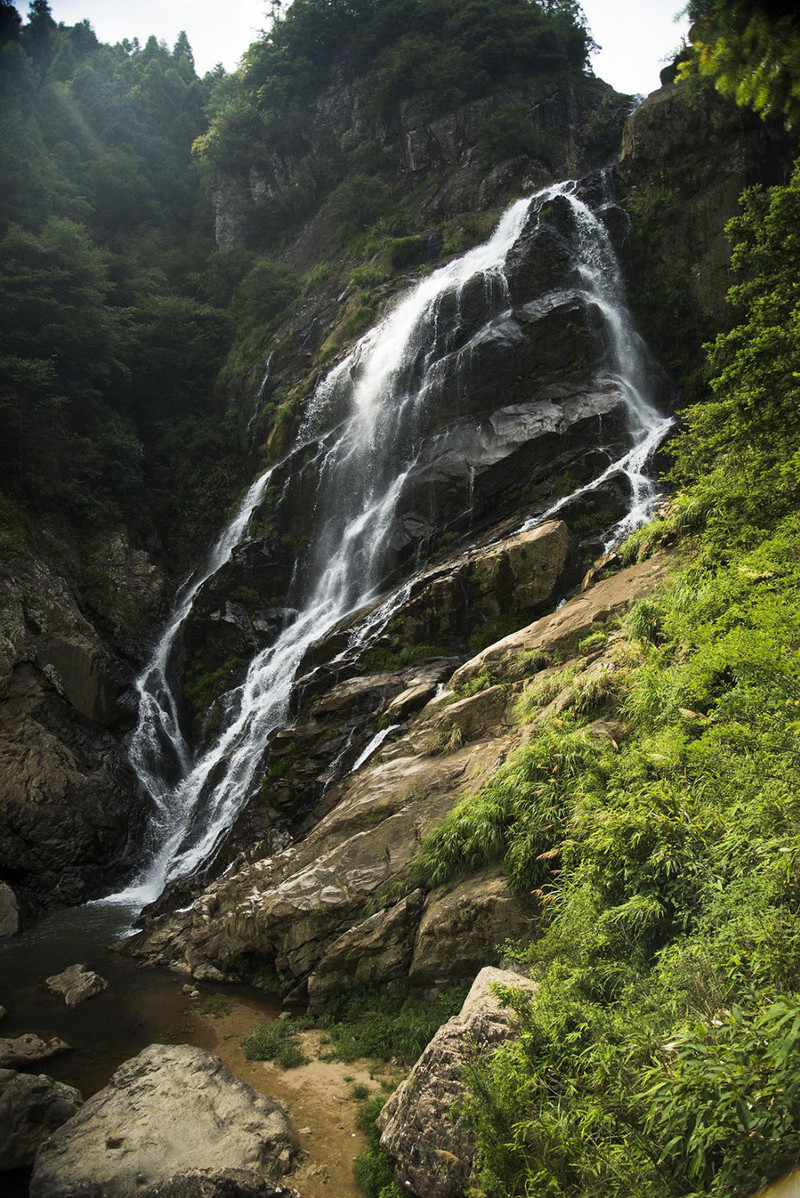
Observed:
{"x":31,"y":1108}
{"x":335,"y":908}
{"x":696,"y":154}
{"x":75,"y":984}
{"x":170,"y":1111}
{"x":9,"y":911}
{"x":422,"y":1131}
{"x":71,"y":815}
{"x":29,"y":1049}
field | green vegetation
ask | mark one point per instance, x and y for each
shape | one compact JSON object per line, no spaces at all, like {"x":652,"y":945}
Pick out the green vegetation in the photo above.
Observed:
{"x":215,"y":1005}
{"x":275,"y":1041}
{"x":509,"y":132}
{"x":397,"y":659}
{"x":751,"y":49}
{"x":110,"y":336}
{"x":386,"y":1026}
{"x":429,"y":55}
{"x":659,"y":1056}
{"x":373,"y":1170}
{"x":481,"y":682}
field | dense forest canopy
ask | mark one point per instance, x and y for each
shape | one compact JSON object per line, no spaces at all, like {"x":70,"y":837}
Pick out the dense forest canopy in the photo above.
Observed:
{"x":118,"y":311}
{"x":434,"y":54}
{"x":109,"y":347}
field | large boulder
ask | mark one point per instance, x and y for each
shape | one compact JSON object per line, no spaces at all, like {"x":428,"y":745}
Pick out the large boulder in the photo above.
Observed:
{"x":462,"y":925}
{"x":170,"y":1110}
{"x":31,"y":1108}
{"x":375,"y":951}
{"x":431,"y":1145}
{"x":517,"y":574}
{"x":560,"y":632}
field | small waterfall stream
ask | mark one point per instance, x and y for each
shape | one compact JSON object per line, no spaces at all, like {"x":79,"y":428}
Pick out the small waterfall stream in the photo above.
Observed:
{"x":368,"y":419}
{"x":602,"y":284}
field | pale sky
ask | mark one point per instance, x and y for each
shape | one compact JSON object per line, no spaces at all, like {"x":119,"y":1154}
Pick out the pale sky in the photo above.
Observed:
{"x":636,"y":35}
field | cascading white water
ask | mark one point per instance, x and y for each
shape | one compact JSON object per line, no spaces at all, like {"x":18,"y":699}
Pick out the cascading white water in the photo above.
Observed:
{"x":258,"y":397}
{"x":383,"y":383}
{"x":602,"y":284}
{"x":375,"y":401}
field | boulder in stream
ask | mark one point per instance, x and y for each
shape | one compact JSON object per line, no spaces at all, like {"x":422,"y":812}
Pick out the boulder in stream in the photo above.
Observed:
{"x":28,"y":1049}
{"x":31,"y":1108}
{"x":171,"y":1111}
{"x":76,"y":984}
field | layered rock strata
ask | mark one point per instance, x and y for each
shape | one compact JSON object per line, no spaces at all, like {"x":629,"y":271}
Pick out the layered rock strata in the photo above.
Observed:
{"x":337,"y":907}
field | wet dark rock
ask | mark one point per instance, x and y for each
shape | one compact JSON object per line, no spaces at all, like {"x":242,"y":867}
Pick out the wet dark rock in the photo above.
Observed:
{"x":9,"y":911}
{"x":71,"y":813}
{"x":31,"y":1108}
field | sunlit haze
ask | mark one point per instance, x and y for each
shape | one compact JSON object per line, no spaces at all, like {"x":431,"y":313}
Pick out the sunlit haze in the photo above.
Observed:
{"x":636,"y":35}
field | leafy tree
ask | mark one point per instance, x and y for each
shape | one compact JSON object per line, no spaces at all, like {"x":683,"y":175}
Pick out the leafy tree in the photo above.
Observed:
{"x":739,"y":452}
{"x":751,"y":48}
{"x":10,"y":21}
{"x":108,"y":350}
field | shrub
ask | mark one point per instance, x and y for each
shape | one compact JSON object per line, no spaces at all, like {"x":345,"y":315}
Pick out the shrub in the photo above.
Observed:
{"x":215,"y":1005}
{"x":367,"y":1024}
{"x":275,"y":1041}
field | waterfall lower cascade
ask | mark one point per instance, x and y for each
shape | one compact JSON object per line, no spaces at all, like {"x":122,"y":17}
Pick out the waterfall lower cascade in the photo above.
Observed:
{"x":367,"y":419}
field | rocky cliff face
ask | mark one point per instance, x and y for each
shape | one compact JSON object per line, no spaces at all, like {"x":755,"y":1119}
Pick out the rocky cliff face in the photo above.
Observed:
{"x":574,"y":124}
{"x":338,"y":906}
{"x":71,"y":814}
{"x":686,"y":156}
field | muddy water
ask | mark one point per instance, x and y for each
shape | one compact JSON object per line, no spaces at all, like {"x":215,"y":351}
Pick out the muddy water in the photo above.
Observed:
{"x":146,"y":1006}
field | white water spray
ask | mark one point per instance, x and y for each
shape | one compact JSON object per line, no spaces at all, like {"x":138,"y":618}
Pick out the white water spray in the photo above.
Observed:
{"x":382,"y":384}
{"x":375,"y":400}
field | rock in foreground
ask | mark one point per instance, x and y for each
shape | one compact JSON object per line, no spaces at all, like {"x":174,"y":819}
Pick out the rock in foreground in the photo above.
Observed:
{"x":217,"y":1183}
{"x":76,"y":984}
{"x":172,"y":1110}
{"x":433,"y":1150}
{"x":31,"y":1108}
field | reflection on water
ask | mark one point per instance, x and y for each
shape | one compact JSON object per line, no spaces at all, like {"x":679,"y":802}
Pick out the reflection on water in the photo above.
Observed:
{"x":140,"y":1006}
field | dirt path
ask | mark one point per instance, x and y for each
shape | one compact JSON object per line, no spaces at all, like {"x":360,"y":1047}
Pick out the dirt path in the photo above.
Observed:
{"x":319,"y":1096}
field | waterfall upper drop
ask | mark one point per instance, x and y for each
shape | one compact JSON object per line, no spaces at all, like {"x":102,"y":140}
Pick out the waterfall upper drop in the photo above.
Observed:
{"x":408,"y":439}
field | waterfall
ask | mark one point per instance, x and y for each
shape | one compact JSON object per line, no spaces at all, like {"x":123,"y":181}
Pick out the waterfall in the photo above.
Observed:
{"x":602,"y":285}
{"x":369,"y":418}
